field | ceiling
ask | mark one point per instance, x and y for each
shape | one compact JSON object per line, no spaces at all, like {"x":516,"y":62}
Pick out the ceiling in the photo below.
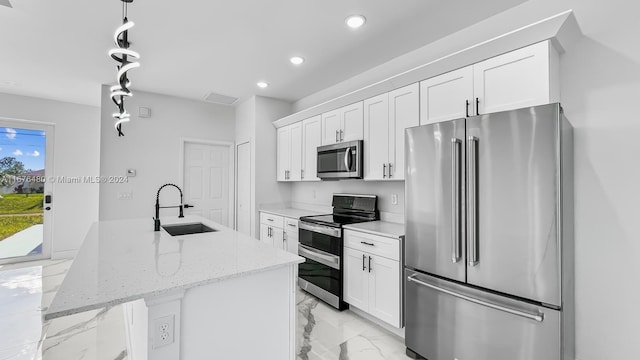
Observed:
{"x":189,"y":48}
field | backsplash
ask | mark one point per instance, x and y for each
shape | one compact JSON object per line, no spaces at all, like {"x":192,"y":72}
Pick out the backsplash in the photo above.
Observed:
{"x":319,"y":194}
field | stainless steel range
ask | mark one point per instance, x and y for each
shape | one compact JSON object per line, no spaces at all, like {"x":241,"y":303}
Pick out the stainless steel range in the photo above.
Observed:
{"x":321,"y":243}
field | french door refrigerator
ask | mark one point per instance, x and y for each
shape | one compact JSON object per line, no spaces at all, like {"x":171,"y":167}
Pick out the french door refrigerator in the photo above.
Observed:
{"x":489,"y":237}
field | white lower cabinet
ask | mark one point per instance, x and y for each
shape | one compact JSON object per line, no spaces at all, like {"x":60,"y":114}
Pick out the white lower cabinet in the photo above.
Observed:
{"x":371,"y":281}
{"x":356,"y":279}
{"x":280,"y":232}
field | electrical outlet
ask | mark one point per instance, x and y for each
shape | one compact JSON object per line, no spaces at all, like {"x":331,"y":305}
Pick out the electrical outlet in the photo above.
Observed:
{"x":163,"y":331}
{"x":125,"y":195}
{"x":394,"y":199}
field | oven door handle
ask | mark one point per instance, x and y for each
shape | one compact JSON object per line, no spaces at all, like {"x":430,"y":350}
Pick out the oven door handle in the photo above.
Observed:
{"x":327,"y":230}
{"x":323,"y":258}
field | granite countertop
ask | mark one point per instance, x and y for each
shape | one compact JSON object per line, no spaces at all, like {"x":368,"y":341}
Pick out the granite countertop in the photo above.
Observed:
{"x":381,"y":228}
{"x":125,"y":260}
{"x":289,"y":212}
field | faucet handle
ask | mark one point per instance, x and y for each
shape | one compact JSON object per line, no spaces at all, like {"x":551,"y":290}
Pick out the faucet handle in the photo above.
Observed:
{"x":186,"y":206}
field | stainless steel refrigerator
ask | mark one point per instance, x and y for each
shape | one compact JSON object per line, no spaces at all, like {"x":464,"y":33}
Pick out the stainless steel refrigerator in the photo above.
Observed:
{"x":489,"y":237}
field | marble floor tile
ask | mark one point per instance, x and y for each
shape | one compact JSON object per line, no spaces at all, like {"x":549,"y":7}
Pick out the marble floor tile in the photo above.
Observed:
{"x":26,"y":291}
{"x":323,"y":333}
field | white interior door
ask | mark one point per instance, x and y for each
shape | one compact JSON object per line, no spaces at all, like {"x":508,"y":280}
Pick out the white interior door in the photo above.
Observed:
{"x":206,"y":181}
{"x":243,"y":188}
{"x":26,"y":190}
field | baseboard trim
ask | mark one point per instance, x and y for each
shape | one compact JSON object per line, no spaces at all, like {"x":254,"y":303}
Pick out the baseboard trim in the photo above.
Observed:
{"x":382,"y":324}
{"x":70,"y":254}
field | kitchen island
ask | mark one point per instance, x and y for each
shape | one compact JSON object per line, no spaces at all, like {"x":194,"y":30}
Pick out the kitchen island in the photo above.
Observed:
{"x":218,"y":294}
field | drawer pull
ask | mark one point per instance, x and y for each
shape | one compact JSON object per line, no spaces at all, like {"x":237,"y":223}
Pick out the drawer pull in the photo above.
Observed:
{"x":270,"y":219}
{"x":293,"y":225}
{"x":367,"y":243}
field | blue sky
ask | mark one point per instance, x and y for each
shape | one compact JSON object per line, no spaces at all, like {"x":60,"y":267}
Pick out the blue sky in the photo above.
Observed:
{"x":27,"y":146}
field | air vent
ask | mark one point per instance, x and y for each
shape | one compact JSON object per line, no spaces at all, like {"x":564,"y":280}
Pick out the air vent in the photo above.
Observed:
{"x":5,"y":3}
{"x":219,"y":98}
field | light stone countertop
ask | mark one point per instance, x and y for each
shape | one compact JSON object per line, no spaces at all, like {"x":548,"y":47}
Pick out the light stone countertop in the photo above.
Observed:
{"x":125,"y":260}
{"x":289,"y":212}
{"x":381,"y":228}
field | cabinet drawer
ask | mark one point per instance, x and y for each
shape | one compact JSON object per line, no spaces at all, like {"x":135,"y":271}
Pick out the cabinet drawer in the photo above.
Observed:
{"x":291,"y":225}
{"x":373,"y":244}
{"x":272,"y":220}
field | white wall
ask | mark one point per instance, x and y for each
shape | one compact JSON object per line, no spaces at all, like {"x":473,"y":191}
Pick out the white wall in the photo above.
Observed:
{"x":320,"y":194}
{"x":254,"y":119}
{"x":245,"y":131}
{"x":600,"y":79}
{"x":151,"y":146}
{"x":76,"y":153}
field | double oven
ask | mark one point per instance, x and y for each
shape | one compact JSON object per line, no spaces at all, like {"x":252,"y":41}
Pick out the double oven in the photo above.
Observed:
{"x":321,"y":244}
{"x":321,"y":273}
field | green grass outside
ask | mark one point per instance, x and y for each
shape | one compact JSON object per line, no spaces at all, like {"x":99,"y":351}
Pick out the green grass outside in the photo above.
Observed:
{"x":10,"y":225}
{"x":21,"y":204}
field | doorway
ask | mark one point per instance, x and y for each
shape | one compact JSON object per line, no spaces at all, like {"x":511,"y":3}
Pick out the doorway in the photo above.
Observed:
{"x":26,"y":186}
{"x":207,"y":179}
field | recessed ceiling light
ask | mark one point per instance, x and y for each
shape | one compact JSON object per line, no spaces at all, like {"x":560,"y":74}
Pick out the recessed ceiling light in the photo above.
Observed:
{"x":296,"y":60}
{"x":355,"y":21}
{"x":262,"y":84}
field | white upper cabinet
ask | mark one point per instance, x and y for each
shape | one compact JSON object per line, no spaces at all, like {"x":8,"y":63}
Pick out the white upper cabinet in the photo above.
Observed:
{"x":284,"y":153}
{"x":376,"y":137}
{"x":343,"y":124}
{"x":386,"y":117}
{"x":404,"y":112}
{"x":447,"y":97}
{"x":289,"y":152}
{"x":295,"y":153}
{"x":521,"y":78}
{"x":311,"y":139}
{"x":352,"y":122}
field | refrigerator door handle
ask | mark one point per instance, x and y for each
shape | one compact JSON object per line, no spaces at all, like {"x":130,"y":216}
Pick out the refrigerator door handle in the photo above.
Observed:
{"x":472,"y":216}
{"x":539,"y":316}
{"x":455,"y":200}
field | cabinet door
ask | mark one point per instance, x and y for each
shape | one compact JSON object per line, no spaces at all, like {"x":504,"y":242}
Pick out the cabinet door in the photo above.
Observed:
{"x":295,"y":168}
{"x":404,"y":112}
{"x":352,"y":122}
{"x":311,"y":134}
{"x":291,"y":235}
{"x":277,"y":235}
{"x":384,"y":289}
{"x":284,"y":152}
{"x":446,"y":97}
{"x":376,"y":137}
{"x":265,"y":234}
{"x":331,"y":126}
{"x":514,"y":80}
{"x":356,"y":279}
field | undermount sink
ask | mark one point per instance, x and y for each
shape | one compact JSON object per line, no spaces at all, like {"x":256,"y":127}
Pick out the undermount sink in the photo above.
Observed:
{"x":187,"y":229}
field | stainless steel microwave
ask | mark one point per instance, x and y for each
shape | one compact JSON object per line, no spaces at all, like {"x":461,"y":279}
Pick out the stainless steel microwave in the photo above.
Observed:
{"x":340,"y":161}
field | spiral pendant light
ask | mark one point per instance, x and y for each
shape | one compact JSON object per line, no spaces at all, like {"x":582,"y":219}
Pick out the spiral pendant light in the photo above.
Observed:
{"x":126,"y":59}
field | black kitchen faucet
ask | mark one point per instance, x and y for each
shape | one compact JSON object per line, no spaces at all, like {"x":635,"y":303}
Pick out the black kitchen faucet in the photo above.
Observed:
{"x":156,"y":220}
